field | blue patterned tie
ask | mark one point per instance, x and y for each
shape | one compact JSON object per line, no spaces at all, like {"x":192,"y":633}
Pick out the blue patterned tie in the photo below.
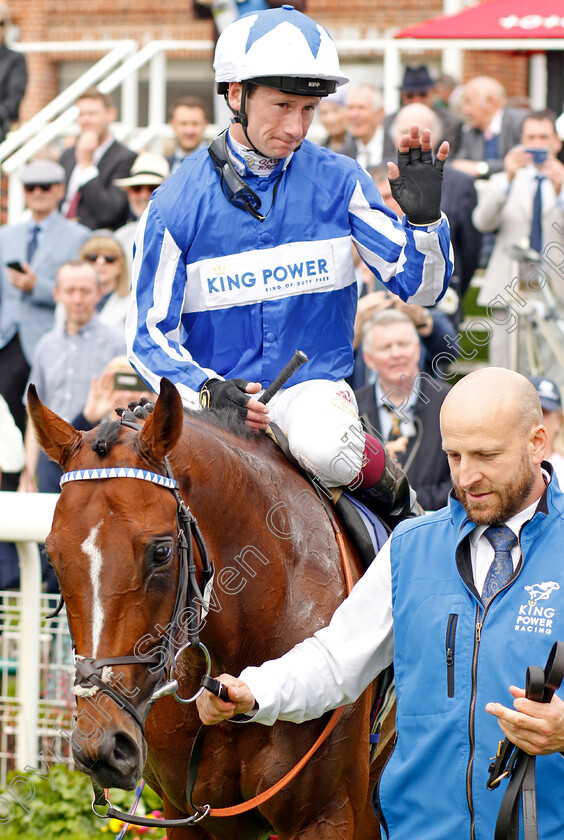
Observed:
{"x":535,"y":240}
{"x":33,"y":242}
{"x":491,"y":145}
{"x":502,"y":539}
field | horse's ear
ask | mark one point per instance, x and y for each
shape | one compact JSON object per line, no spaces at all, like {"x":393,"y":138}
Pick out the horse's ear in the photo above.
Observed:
{"x":163,"y":427}
{"x":57,"y":437}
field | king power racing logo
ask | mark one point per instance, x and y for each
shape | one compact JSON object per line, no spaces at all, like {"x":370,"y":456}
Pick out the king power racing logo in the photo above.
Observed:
{"x":536,"y":615}
{"x":254,"y":276}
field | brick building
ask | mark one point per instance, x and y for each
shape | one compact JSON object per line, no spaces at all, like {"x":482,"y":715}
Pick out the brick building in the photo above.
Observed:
{"x":147,"y":20}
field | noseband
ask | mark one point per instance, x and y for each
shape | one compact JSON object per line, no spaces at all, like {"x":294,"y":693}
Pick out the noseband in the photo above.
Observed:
{"x":90,"y":674}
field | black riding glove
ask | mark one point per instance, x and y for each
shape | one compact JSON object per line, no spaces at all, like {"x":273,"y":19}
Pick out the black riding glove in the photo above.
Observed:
{"x":228,"y":393}
{"x":418,"y":187}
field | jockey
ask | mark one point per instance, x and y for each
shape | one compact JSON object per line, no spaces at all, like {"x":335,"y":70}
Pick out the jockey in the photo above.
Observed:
{"x":244,"y":255}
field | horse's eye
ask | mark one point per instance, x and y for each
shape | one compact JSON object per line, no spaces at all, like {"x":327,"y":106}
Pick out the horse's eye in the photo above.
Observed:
{"x":161,"y":552}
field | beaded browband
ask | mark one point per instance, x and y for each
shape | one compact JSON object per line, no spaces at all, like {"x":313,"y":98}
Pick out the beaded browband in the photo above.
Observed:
{"x":119,"y":472}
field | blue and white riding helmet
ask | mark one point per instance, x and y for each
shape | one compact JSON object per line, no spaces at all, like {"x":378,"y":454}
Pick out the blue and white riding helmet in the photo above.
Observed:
{"x":280,"y":48}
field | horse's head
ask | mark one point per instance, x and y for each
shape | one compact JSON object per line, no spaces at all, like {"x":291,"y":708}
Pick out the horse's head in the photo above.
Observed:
{"x":114,"y":548}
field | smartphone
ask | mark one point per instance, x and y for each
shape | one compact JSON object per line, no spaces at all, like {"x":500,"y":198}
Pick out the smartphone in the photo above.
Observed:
{"x":539,"y":155}
{"x":17,"y":266}
{"x":129,"y":382}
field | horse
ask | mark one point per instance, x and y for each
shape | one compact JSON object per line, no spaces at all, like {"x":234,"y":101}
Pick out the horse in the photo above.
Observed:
{"x":116,"y":547}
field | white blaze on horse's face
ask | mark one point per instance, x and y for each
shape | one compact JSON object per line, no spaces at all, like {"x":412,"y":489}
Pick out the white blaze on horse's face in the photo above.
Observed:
{"x":95,"y":556}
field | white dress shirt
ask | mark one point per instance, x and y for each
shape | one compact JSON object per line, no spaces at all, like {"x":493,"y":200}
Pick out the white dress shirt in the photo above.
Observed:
{"x":333,"y":667}
{"x":372,"y":153}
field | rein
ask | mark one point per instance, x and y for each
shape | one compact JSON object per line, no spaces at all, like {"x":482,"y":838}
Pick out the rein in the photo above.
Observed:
{"x":519,"y":766}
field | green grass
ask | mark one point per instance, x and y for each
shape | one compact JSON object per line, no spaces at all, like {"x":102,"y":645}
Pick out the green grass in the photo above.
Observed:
{"x":472,"y":313}
{"x":66,"y":811}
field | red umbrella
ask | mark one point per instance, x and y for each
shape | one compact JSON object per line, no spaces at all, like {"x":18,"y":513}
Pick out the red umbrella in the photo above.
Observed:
{"x":496,"y":19}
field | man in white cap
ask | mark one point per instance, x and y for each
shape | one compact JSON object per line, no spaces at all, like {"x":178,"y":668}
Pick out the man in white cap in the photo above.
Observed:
{"x":245,"y":255}
{"x":149,"y":170}
{"x":30,"y":254}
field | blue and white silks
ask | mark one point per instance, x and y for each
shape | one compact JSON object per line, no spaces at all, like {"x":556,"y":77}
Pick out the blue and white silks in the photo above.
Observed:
{"x":216,"y":292}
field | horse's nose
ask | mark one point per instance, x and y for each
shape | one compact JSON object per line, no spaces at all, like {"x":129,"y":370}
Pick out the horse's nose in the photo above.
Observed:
{"x":117,"y":762}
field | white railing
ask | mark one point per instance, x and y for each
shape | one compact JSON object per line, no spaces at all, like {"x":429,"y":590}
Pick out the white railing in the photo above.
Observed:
{"x":118,"y":69}
{"x":117,"y":53}
{"x":25,"y":518}
{"x":52,"y":120}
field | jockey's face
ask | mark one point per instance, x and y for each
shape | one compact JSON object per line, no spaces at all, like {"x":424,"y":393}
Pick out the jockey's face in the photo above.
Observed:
{"x":278,"y":122}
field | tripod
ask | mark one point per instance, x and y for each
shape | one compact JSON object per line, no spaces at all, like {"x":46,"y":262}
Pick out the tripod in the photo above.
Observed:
{"x":537,"y":342}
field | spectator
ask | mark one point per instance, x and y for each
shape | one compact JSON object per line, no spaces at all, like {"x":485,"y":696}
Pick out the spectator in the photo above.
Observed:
{"x":460,"y":643}
{"x":365,"y":114}
{"x":551,"y":404}
{"x":93,"y":164}
{"x":118,"y":385}
{"x":13,"y":77}
{"x":105,"y":253}
{"x":40,"y":245}
{"x":148,"y":171}
{"x":419,"y":87}
{"x":506,"y":208}
{"x":67,"y":358}
{"x":445,"y":86}
{"x":333,"y":116}
{"x":402,"y":405}
{"x":189,"y":119}
{"x":492,"y":128}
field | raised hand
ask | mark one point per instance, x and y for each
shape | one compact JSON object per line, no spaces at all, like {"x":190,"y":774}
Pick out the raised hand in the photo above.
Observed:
{"x":416,"y":181}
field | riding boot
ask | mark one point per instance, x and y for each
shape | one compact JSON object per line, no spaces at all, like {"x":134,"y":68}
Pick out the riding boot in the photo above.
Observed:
{"x":391,"y":498}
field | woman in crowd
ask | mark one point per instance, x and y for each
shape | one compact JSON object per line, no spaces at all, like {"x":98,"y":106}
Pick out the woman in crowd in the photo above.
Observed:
{"x":106,"y":254}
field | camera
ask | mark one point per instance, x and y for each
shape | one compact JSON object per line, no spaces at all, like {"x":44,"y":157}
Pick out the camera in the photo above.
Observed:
{"x":129,"y":382}
{"x":539,"y":155}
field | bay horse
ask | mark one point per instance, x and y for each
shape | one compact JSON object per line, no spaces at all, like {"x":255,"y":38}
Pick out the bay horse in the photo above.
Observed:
{"x":114,"y":546}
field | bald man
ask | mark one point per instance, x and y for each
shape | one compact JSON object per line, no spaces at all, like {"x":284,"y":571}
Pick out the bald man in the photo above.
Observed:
{"x":492,"y":128}
{"x":461,"y":634}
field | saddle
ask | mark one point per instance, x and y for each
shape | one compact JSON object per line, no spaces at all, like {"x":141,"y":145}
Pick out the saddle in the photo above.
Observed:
{"x":365,"y":529}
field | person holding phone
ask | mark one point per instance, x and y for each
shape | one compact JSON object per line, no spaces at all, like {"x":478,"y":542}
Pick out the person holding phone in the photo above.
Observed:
{"x":30,"y":254}
{"x":523,"y":205}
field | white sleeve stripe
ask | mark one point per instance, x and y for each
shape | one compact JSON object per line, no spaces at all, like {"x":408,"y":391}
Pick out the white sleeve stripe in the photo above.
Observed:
{"x":360,"y":207}
{"x":157,"y":313}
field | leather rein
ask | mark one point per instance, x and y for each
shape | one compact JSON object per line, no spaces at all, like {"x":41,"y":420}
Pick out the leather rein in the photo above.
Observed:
{"x":90,"y":673}
{"x":519,"y":766}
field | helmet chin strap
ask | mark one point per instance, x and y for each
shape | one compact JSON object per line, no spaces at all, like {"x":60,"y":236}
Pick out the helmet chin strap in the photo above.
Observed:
{"x":242,"y":118}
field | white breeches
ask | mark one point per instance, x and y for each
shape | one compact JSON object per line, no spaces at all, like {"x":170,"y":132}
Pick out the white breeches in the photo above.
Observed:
{"x":320,"y":420}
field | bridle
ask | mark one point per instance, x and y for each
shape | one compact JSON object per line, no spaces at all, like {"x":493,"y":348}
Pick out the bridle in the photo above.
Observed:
{"x":89,"y":671}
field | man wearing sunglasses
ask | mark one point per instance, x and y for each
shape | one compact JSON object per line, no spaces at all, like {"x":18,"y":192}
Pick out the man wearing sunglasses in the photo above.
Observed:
{"x":245,"y":254}
{"x":30,"y":254}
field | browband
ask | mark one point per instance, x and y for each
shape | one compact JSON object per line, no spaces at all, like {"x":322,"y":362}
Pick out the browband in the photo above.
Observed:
{"x":119,"y":472}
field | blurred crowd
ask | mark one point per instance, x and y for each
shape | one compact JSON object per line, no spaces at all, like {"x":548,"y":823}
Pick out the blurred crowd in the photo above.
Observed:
{"x":65,"y":266}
